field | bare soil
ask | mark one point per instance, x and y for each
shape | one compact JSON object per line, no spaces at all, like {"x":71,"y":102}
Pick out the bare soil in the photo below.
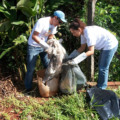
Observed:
{"x":12,"y":85}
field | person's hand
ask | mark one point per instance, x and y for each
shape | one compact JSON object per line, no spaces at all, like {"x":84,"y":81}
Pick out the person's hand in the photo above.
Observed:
{"x":44,"y":44}
{"x":71,"y":62}
{"x":78,"y":59}
{"x":66,"y":59}
{"x":74,"y":54}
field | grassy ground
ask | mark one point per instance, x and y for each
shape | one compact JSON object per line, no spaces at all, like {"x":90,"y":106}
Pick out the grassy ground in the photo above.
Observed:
{"x":65,"y":107}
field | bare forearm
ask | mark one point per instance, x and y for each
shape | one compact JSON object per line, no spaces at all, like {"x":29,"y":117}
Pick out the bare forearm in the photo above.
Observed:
{"x":82,"y":48}
{"x":42,"y":43}
{"x":36,"y":38}
{"x":89,"y":53}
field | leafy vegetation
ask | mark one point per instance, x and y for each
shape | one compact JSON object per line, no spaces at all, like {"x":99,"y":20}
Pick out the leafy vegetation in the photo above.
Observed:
{"x":19,"y":16}
{"x":16,"y":21}
{"x":106,"y":15}
{"x":70,"y":107}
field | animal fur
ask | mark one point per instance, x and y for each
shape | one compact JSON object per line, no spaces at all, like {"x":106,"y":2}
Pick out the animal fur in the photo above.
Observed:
{"x":56,"y":53}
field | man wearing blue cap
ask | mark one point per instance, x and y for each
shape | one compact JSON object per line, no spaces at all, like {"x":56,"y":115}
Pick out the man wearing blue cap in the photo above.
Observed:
{"x":44,"y":29}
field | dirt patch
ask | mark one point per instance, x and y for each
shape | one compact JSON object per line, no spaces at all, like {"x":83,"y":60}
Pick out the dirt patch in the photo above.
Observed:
{"x":13,"y":86}
{"x":6,"y":88}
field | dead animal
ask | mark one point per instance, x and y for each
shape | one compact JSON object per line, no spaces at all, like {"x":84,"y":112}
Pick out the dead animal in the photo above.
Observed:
{"x":50,"y":88}
{"x":56,"y":54}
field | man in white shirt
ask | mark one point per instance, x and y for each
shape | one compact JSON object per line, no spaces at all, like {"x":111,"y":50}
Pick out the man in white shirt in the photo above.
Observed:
{"x":44,"y":29}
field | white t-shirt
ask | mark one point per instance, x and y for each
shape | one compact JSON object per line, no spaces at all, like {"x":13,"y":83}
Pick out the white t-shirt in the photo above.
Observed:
{"x":101,"y":38}
{"x":44,"y":28}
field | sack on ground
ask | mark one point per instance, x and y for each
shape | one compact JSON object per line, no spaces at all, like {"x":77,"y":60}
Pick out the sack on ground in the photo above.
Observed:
{"x":72,"y":79}
{"x":105,"y":102}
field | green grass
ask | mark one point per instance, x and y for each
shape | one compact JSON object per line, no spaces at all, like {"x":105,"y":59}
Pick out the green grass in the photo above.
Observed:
{"x":65,"y":107}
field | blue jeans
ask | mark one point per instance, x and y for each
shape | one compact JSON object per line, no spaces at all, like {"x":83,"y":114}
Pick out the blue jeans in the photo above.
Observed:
{"x":103,"y":65}
{"x":32,"y":54}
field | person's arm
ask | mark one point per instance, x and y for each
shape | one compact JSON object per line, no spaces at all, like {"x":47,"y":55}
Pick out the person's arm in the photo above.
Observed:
{"x":82,"y":48}
{"x":36,"y":38}
{"x":90,"y":51}
{"x":75,"y":52}
{"x":82,"y":56}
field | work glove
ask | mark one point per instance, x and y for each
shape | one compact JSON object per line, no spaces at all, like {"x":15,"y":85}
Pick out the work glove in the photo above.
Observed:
{"x":44,"y":44}
{"x":78,"y":59}
{"x":74,"y":54}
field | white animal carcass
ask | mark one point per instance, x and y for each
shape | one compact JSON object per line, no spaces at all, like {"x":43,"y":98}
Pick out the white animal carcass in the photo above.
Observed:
{"x":56,"y":53}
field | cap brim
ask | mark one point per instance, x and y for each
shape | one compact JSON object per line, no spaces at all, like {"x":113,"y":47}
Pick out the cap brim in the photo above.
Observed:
{"x":63,"y":20}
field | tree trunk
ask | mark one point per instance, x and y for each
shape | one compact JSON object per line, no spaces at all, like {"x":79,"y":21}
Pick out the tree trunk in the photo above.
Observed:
{"x":90,"y":61}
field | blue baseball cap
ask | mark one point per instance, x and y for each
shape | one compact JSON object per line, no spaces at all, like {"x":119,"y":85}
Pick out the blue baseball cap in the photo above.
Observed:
{"x":60,"y":15}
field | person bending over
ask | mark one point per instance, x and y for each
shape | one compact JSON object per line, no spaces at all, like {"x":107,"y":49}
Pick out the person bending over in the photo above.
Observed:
{"x":94,"y":37}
